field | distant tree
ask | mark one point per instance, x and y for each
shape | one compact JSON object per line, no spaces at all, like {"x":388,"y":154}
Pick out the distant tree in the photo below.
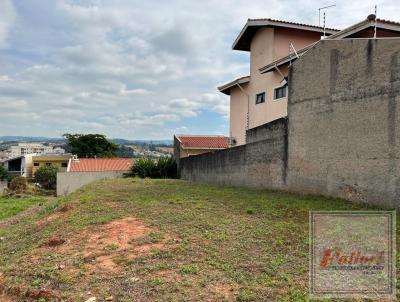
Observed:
{"x":124,"y":152}
{"x":90,"y":145}
{"x":3,"y":173}
{"x":46,"y":176}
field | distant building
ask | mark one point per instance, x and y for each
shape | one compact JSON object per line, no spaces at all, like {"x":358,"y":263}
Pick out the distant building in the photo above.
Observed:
{"x":30,"y":148}
{"x":19,"y":165}
{"x":59,"y":161}
{"x":86,"y":170}
{"x":58,"y":150}
{"x":5,"y":154}
{"x":187,"y":145}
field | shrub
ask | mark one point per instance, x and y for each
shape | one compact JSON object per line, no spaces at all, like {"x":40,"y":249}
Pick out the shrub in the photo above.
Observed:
{"x":18,"y":184}
{"x":3,"y":173}
{"x":46,"y":176}
{"x":144,"y":167}
{"x":164,"y":167}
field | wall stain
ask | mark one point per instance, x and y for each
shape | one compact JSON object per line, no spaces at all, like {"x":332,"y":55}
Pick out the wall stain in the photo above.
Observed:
{"x":394,"y":180}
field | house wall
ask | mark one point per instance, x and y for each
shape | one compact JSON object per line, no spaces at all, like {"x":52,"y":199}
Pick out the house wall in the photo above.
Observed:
{"x":260,"y":163}
{"x":344,"y":121}
{"x":68,"y":182}
{"x":238,"y":114}
{"x":59,"y":161}
{"x":267,"y":45}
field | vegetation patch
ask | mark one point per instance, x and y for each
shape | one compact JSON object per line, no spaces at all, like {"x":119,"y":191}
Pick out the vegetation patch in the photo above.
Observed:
{"x":163,"y":240}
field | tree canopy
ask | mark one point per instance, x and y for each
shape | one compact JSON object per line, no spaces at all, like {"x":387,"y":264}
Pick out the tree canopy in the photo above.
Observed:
{"x":90,"y":145}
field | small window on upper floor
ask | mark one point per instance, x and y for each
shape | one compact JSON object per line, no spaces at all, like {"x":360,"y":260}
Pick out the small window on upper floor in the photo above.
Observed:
{"x":260,"y":98}
{"x":64,"y":165}
{"x":36,"y":164}
{"x":280,"y":92}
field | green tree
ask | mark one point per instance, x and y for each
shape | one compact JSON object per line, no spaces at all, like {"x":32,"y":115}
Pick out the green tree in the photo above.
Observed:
{"x":90,"y":145}
{"x":3,"y":173}
{"x":46,"y":176}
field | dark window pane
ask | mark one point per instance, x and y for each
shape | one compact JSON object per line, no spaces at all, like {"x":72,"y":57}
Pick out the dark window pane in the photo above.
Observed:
{"x":260,"y":98}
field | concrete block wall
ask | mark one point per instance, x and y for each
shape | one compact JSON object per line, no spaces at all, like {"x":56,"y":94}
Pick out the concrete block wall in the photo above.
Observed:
{"x":344,"y":121}
{"x":260,"y":163}
{"x":68,"y":182}
{"x":342,"y":135}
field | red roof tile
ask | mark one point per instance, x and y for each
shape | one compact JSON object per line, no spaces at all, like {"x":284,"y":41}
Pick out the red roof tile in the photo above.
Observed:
{"x":203,"y":141}
{"x":100,"y":164}
{"x":289,"y":22}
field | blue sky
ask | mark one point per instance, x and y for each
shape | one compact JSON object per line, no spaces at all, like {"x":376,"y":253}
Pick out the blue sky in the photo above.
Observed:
{"x":134,"y":69}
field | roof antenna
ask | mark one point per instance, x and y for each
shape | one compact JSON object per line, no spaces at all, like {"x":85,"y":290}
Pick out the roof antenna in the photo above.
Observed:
{"x":376,"y":11}
{"x":319,"y":12}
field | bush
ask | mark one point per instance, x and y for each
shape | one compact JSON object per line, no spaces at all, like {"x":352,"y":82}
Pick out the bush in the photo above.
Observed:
{"x":144,"y":167}
{"x":164,"y":167}
{"x":46,"y":176}
{"x":3,"y":173}
{"x":18,"y":184}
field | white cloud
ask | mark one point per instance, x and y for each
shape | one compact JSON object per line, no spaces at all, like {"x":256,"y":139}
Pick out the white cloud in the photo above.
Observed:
{"x":7,"y":19}
{"x":137,"y":69}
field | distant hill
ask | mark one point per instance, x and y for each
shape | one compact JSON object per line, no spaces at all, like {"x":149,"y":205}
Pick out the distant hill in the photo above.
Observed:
{"x":31,"y":139}
{"x":119,"y":141}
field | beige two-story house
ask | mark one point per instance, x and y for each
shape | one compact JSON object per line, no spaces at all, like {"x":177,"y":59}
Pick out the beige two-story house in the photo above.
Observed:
{"x":258,"y":98}
{"x":261,"y":97}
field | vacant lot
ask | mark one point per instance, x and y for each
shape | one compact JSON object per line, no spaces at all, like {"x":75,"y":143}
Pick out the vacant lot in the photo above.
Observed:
{"x":162,"y":240}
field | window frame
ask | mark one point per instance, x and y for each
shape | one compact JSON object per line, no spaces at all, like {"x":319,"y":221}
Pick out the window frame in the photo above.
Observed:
{"x":260,"y":94}
{"x":280,"y":87}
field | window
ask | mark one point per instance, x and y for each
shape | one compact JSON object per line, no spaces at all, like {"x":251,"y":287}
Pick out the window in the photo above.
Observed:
{"x":64,"y":165}
{"x":48,"y":164}
{"x":260,"y":98}
{"x":280,"y":92}
{"x":36,"y":164}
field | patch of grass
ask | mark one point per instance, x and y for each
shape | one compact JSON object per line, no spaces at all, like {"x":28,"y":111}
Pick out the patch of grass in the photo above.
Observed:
{"x":189,"y":269}
{"x":10,"y":206}
{"x":245,"y":295}
{"x":255,"y":241}
{"x":111,"y":247}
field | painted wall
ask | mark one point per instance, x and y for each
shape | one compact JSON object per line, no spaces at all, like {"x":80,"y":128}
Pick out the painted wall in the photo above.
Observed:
{"x":238,"y":114}
{"x":59,"y":161}
{"x":68,"y":182}
{"x":268,"y":45}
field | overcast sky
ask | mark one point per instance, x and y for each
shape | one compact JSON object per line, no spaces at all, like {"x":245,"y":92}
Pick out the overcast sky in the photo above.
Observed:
{"x":134,"y":69}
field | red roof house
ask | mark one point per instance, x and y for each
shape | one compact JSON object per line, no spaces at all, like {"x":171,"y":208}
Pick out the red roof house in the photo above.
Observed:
{"x":100,"y":165}
{"x":187,"y":145}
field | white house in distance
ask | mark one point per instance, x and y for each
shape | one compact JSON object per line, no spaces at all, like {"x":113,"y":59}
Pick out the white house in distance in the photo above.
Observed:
{"x":30,"y":148}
